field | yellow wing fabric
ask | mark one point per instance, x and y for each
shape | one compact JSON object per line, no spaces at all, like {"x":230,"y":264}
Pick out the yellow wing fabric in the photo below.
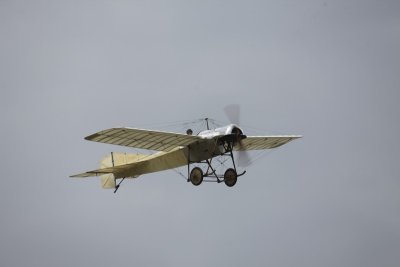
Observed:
{"x":265,"y":142}
{"x":143,"y":139}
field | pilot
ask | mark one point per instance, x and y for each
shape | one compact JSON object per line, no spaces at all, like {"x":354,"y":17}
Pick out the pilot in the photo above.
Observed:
{"x":189,"y":132}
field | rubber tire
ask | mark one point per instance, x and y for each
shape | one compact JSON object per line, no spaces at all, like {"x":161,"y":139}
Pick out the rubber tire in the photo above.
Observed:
{"x":230,"y":177}
{"x":196,"y":176}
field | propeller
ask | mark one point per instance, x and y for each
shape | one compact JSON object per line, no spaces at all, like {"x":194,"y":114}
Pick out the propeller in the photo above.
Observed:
{"x":232,"y":111}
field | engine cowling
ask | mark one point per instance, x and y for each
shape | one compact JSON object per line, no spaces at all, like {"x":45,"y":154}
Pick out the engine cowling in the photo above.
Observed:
{"x":231,"y":132}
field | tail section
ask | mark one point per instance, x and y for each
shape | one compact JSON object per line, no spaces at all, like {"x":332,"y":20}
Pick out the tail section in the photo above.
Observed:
{"x":107,"y":167}
{"x":108,"y":181}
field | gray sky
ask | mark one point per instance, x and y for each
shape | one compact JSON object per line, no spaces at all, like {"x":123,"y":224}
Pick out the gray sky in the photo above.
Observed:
{"x":328,"y":70}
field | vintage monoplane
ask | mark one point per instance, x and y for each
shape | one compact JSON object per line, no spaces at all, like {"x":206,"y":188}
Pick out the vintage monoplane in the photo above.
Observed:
{"x":177,"y":150}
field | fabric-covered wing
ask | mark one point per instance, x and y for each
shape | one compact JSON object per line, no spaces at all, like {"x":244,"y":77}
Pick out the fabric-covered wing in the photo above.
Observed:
{"x":143,"y":139}
{"x":265,"y":142}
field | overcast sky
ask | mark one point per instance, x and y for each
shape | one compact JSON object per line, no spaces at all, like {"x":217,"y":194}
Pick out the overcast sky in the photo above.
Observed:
{"x":328,"y":70}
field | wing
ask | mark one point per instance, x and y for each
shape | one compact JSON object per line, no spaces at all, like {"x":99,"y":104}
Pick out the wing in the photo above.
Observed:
{"x":143,"y":139}
{"x":265,"y":142}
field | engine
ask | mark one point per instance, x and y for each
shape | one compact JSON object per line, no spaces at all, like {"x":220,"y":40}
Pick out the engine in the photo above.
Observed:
{"x":229,"y":130}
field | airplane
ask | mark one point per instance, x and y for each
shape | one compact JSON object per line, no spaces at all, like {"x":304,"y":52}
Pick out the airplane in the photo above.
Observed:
{"x":177,"y":150}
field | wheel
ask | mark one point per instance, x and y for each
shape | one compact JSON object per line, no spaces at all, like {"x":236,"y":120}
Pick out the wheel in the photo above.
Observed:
{"x":230,"y":177}
{"x":196,"y":176}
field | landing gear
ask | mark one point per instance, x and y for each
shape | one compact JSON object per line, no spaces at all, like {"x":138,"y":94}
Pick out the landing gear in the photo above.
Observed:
{"x":196,"y":176}
{"x":230,"y":177}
